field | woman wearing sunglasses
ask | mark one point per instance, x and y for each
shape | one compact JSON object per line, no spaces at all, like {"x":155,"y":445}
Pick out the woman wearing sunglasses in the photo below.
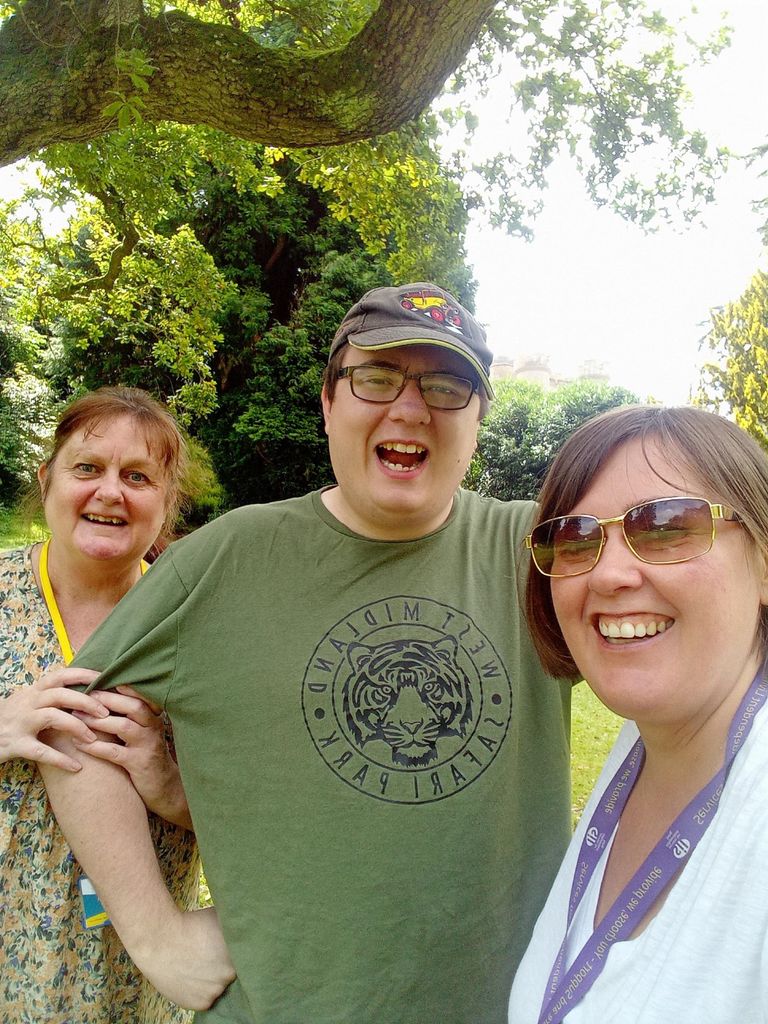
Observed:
{"x":650,"y":580}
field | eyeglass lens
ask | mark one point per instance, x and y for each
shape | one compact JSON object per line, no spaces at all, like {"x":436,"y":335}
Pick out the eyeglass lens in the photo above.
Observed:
{"x":380,"y":384}
{"x":663,"y":531}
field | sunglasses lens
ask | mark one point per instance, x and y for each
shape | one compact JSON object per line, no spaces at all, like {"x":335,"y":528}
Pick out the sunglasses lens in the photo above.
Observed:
{"x":566,"y":546}
{"x":670,"y":529}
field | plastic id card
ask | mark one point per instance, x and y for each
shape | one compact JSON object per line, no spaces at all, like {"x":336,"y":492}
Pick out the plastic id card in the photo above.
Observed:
{"x":94,"y":914}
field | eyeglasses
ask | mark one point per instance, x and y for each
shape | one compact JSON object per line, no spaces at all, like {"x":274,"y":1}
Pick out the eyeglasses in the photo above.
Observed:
{"x":661,"y":532}
{"x":382,"y":384}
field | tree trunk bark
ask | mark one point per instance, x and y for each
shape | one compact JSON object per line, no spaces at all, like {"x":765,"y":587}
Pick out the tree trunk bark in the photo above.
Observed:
{"x":58,"y":73}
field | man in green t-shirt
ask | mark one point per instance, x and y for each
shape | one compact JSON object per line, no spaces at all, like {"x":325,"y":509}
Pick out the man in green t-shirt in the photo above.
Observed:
{"x":375,"y":764}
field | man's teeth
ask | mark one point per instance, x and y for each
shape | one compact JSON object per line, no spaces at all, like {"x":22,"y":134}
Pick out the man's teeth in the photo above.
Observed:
{"x":405,"y":449}
{"x":112,"y":520}
{"x":398,"y":446}
{"x":625,"y":629}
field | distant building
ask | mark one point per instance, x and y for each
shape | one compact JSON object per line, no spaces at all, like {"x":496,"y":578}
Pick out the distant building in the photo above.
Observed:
{"x":534,"y":367}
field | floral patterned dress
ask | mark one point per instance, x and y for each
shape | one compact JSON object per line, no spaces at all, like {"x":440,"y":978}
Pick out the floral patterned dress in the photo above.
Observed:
{"x":53,"y":970}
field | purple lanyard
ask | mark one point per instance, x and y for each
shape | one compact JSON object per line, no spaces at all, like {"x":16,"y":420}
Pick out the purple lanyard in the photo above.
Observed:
{"x":667,"y":858}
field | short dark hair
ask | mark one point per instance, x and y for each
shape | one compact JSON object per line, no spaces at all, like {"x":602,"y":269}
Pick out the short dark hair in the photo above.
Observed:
{"x":723,"y":456}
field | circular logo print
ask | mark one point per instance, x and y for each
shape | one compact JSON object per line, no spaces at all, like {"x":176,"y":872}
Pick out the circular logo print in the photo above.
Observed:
{"x":681,"y":848}
{"x":406,"y":700}
{"x":592,"y":836}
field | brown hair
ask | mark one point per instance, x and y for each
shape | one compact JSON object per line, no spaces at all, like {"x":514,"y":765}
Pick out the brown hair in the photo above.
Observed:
{"x":723,"y":456}
{"x":336,"y":362}
{"x":160,"y":430}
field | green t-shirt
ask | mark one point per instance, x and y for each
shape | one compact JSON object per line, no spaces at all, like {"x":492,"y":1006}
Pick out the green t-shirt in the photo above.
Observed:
{"x":376,"y":766}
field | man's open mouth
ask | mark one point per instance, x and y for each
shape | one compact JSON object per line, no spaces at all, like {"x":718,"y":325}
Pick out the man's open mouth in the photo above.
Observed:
{"x":400,"y":456}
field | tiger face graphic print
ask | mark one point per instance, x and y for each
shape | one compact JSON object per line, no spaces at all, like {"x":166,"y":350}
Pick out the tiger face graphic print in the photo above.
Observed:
{"x":409,"y":694}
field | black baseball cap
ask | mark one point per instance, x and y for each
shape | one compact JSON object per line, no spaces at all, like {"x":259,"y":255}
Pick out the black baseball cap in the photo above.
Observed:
{"x":416,"y":314}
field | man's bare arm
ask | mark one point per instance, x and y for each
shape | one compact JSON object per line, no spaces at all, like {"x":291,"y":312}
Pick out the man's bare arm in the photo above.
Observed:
{"x":105,"y":822}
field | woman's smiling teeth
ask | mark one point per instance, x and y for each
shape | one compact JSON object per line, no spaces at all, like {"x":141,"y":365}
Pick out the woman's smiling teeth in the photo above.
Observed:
{"x":109,"y":520}
{"x":626,"y":629}
{"x":401,"y":457}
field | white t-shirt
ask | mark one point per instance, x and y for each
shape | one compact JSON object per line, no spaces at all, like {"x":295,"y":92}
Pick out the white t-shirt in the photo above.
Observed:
{"x":703,"y":959}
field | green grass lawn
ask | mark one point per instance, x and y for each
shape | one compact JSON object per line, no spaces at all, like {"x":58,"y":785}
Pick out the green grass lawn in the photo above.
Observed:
{"x":15,"y":533}
{"x":593,"y":730}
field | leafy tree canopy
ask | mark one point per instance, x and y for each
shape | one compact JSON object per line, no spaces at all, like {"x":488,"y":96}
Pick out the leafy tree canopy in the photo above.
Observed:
{"x":213,"y":269}
{"x":132,"y":273}
{"x":738,"y":337}
{"x":305,"y":73}
{"x":604,"y":83}
{"x":525,"y":429}
{"x":26,"y":405}
{"x":214,"y":273}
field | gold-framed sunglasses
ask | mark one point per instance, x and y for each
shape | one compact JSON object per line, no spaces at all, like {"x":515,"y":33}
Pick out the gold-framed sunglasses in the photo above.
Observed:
{"x":664,"y":531}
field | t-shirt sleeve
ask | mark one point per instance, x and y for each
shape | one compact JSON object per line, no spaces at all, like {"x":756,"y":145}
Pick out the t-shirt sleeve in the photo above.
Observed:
{"x":137,"y":644}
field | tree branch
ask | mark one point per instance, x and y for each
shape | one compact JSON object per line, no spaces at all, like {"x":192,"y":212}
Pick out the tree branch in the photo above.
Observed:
{"x":56,"y":77}
{"x":106,"y":281}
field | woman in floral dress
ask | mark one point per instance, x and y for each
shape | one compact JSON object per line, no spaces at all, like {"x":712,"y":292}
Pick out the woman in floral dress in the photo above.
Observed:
{"x":109,"y":489}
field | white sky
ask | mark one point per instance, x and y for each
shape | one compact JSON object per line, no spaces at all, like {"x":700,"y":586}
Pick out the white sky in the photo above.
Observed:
{"x":591,"y":286}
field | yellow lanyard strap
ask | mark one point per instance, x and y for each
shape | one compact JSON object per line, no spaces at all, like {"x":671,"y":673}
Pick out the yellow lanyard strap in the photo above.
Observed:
{"x":53,"y":608}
